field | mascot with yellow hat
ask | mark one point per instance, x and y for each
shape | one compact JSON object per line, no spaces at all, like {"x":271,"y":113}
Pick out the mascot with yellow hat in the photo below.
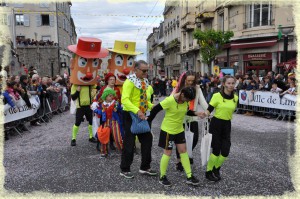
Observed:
{"x":122,"y":59}
{"x":84,"y":68}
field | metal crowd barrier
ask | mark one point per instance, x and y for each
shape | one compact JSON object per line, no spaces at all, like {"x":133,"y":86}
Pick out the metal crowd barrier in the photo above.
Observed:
{"x":279,"y":113}
{"x":45,"y":113}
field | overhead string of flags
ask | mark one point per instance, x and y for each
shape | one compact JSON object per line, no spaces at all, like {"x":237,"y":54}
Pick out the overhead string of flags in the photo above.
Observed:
{"x":84,"y":14}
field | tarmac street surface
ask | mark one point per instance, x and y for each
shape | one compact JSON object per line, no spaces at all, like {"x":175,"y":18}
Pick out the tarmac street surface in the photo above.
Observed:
{"x":43,"y":160}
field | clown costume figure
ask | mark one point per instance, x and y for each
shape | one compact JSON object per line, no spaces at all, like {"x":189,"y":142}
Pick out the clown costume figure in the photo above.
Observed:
{"x":122,"y":59}
{"x":109,"y":112}
{"x":84,"y":67}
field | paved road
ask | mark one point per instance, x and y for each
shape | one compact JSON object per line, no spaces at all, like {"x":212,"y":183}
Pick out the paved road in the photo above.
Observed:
{"x":44,"y":161}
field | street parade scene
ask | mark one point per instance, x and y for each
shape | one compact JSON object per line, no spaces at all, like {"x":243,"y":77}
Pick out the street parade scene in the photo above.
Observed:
{"x":148,"y":99}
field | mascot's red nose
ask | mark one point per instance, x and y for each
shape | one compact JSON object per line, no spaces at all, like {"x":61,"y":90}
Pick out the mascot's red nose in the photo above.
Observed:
{"x":89,"y":75}
{"x":126,"y":71}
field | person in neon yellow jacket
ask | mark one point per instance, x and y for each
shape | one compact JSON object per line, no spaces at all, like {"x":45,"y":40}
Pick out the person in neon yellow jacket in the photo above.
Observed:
{"x":134,"y":99}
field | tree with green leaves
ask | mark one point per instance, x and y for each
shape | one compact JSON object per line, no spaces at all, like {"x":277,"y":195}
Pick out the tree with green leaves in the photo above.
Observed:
{"x":211,"y":43}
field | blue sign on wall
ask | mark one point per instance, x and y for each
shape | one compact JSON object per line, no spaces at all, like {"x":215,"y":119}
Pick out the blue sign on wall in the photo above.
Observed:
{"x":228,"y":71}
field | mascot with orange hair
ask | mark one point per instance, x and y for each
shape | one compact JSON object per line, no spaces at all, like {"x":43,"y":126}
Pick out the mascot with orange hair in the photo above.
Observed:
{"x":84,"y":68}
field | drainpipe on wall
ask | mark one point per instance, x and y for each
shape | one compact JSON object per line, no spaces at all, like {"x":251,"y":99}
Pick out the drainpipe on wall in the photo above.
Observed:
{"x":58,"y":47}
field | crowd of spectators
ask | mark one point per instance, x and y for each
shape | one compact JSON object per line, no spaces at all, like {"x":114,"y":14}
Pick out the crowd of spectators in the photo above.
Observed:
{"x":19,"y":89}
{"x":210,"y":84}
{"x":32,"y":42}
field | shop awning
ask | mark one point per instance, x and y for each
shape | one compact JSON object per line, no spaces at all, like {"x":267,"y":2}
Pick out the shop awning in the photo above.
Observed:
{"x":254,"y":44}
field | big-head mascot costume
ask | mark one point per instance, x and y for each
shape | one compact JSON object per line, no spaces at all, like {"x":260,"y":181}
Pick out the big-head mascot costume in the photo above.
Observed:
{"x":122,"y":59}
{"x":84,"y":68}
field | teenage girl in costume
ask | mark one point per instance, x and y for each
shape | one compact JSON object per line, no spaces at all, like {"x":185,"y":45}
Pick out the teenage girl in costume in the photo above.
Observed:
{"x":189,"y":79}
{"x":176,"y":107}
{"x":224,"y":103}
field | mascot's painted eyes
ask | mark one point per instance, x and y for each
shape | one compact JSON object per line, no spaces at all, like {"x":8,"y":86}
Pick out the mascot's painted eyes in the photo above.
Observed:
{"x":95,"y":63}
{"x":82,"y":62}
{"x":130,"y":61}
{"x":119,"y":60}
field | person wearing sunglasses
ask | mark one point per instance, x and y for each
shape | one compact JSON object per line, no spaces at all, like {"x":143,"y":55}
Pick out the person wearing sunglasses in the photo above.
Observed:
{"x":135,"y":99}
{"x":172,"y":131}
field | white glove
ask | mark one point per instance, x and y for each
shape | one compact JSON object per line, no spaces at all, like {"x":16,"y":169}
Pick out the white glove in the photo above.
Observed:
{"x":94,"y":106}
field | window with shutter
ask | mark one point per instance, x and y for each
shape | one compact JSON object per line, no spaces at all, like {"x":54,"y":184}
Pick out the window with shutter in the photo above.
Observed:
{"x":19,"y":18}
{"x":3,"y":19}
{"x":45,"y":20}
{"x":26,"y":20}
{"x":38,"y":20}
{"x":51,"y":20}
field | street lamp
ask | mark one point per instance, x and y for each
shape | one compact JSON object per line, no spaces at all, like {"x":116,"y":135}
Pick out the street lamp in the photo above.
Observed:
{"x":285,"y":30}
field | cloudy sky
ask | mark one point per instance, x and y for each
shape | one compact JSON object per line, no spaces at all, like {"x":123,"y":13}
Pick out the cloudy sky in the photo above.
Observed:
{"x":110,"y":20}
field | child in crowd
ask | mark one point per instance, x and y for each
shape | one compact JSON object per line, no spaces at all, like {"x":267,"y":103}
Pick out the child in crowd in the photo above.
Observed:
{"x":109,"y":111}
{"x":275,"y":88}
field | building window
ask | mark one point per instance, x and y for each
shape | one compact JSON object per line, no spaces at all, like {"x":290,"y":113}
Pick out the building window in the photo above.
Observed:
{"x":45,"y":20}
{"x":46,"y":38}
{"x":3,"y":3}
{"x":3,"y":19}
{"x":20,"y":38}
{"x":19,"y":20}
{"x":259,"y":15}
{"x":221,"y":22}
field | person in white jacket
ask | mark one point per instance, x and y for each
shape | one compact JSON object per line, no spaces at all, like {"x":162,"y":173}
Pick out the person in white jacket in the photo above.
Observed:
{"x":189,"y":78}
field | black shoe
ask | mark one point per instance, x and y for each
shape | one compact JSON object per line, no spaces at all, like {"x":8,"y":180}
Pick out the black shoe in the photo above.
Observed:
{"x":94,"y":140}
{"x":216,"y":172}
{"x":210,"y":176}
{"x":148,"y":172}
{"x":127,"y":175}
{"x":192,"y":181}
{"x":179,"y":166}
{"x":73,"y":142}
{"x":191,"y":161}
{"x":103,"y":155}
{"x":112,"y":147}
{"x":164,"y":181}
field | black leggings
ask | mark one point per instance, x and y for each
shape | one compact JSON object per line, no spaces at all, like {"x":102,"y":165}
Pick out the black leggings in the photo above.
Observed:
{"x":195,"y":129}
{"x":220,"y":130}
{"x":80,"y":112}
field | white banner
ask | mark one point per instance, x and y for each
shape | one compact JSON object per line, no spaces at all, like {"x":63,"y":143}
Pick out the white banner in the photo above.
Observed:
{"x":268,"y":99}
{"x":12,"y":114}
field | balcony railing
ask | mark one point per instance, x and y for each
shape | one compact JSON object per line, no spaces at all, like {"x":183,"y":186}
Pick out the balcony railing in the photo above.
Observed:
{"x":257,"y":24}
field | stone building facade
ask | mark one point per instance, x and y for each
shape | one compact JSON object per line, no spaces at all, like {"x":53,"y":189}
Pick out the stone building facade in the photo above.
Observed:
{"x":254,"y":48}
{"x":51,"y":25}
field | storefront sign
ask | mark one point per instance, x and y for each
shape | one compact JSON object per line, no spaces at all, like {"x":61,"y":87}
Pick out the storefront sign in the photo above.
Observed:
{"x":257,"y":56}
{"x":232,"y":58}
{"x":268,"y":100}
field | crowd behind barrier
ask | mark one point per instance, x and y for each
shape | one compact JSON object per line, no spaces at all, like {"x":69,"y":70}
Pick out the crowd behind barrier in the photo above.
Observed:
{"x":32,"y":99}
{"x":54,"y":96}
{"x":281,"y":85}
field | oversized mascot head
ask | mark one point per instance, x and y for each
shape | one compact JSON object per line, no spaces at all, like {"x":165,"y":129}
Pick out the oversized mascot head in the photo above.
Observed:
{"x":122,"y":59}
{"x":86,"y":60}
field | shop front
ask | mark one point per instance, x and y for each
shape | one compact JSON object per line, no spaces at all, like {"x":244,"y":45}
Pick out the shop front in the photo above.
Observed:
{"x":233,"y":63}
{"x":257,"y":63}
